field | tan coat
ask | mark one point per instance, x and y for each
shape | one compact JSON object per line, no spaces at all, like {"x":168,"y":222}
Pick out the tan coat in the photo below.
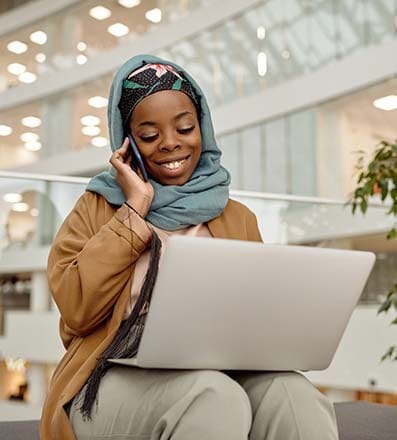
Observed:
{"x":89,"y":276}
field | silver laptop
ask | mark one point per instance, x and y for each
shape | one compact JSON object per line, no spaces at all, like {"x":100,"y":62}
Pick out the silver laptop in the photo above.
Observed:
{"x":228,"y":304}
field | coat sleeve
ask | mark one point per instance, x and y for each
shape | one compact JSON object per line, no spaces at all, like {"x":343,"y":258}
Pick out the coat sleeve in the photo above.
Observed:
{"x":90,"y":263}
{"x":253,"y":233}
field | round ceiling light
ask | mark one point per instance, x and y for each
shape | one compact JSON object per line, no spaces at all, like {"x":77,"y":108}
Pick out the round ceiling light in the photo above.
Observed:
{"x":38,"y":37}
{"x":17,"y":47}
{"x":31,"y":121}
{"x":100,"y":13}
{"x":99,"y":141}
{"x":16,"y":68}
{"x":27,"y":77}
{"x":90,"y":120}
{"x":20,"y":207}
{"x":98,"y":101}
{"x":29,"y":137}
{"x":5,"y":130}
{"x":33,"y":146}
{"x":91,"y":130}
{"x":118,"y":29}
{"x":40,"y":57}
{"x":12,"y":197}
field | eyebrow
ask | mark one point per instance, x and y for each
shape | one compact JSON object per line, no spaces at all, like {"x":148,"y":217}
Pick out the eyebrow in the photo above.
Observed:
{"x":178,"y":116}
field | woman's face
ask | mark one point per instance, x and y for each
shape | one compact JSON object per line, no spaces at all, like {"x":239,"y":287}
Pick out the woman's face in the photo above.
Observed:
{"x":166,"y":130}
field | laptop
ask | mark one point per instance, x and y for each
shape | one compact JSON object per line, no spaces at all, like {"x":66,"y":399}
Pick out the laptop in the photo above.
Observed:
{"x":236,"y":305}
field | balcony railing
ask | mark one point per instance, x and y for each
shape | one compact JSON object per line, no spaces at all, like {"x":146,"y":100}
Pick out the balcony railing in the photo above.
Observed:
{"x":33,"y":207}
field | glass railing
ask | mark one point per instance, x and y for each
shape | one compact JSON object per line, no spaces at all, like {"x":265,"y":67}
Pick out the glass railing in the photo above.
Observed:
{"x":294,"y":37}
{"x":34,"y":206}
{"x":278,"y":40}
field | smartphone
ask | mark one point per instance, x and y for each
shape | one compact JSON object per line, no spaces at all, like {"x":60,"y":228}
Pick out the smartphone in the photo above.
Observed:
{"x":137,"y":161}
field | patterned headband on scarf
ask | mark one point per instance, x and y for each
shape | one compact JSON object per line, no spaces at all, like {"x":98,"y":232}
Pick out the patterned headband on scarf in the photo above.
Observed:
{"x":149,"y":79}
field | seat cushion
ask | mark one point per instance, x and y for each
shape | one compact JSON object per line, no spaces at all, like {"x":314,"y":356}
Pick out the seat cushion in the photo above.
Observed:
{"x":20,"y":430}
{"x":366,"y":421}
{"x":356,"y":421}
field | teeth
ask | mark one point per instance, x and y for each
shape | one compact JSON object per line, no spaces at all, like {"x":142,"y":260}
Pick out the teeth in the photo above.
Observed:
{"x":173,"y":165}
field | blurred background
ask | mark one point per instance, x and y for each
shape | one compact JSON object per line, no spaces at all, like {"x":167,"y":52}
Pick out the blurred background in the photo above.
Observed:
{"x":297,"y":89}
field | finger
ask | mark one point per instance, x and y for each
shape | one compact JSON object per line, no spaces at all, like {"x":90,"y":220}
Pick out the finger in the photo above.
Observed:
{"x":116,"y":159}
{"x":115,"y":162}
{"x":124,"y":153}
{"x":124,"y":146}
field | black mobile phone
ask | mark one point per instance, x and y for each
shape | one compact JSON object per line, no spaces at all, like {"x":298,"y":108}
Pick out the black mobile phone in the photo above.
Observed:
{"x":137,"y":161}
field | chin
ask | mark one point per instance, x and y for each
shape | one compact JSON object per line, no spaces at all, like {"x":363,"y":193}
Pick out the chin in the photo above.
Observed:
{"x":177,"y":182}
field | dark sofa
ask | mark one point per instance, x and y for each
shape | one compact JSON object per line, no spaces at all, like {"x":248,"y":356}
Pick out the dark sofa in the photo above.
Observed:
{"x":356,"y":421}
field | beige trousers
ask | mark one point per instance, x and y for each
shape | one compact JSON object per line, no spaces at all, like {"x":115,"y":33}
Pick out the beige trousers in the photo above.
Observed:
{"x":139,"y":404}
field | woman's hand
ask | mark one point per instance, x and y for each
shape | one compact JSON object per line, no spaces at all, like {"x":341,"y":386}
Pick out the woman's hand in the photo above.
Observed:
{"x":137,"y":192}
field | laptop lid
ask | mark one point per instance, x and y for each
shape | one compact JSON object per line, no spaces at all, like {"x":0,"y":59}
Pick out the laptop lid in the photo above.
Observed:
{"x":228,"y":304}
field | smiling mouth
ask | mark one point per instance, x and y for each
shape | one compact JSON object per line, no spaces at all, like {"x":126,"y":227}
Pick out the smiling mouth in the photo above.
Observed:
{"x":174,"y":165}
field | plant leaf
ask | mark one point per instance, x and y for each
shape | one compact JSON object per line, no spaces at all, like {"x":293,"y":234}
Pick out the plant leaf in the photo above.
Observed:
{"x":389,"y":353}
{"x":385,"y":306}
{"x":363,"y":206}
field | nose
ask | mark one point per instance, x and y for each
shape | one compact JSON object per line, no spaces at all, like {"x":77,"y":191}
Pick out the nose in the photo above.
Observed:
{"x":170,"y":143}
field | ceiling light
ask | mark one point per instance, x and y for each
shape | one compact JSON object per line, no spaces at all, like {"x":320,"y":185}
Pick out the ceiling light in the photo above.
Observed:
{"x":31,"y":121}
{"x":33,"y":146}
{"x":40,"y":57}
{"x":16,"y":68}
{"x":262,"y":63}
{"x":81,"y":46}
{"x":17,"y":47}
{"x":91,"y":130}
{"x":90,"y":120}
{"x":153,"y":15}
{"x":129,"y":3}
{"x":29,"y":137}
{"x":386,"y":103}
{"x":81,"y":59}
{"x":99,"y":141}
{"x":261,"y":32}
{"x":12,"y":197}
{"x":5,"y":130}
{"x":100,"y":13}
{"x":118,"y":29}
{"x":34,"y":212}
{"x":27,"y":77}
{"x":38,"y":37}
{"x":98,"y":102}
{"x":20,"y":207}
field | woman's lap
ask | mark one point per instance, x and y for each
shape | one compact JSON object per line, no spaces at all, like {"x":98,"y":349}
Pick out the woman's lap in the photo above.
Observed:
{"x":144,"y":404}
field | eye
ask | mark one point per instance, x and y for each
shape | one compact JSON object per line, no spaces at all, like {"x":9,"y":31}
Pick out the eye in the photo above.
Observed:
{"x":186,"y":130}
{"x":149,"y":138}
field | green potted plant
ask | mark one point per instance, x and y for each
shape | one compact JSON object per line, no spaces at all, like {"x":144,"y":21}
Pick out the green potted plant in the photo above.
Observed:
{"x":379,"y":176}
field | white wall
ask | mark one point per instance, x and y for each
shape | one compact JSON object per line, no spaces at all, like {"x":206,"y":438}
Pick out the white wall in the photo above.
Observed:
{"x":357,"y":359}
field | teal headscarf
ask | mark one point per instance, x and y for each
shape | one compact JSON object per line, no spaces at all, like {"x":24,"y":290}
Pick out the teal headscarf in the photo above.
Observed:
{"x":199,"y":200}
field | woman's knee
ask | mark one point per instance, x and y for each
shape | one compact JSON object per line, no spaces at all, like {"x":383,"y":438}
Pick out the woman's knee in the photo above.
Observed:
{"x":224,"y":389}
{"x":223,"y":401}
{"x":295,"y":384}
{"x":278,"y":388}
{"x":287,"y":403}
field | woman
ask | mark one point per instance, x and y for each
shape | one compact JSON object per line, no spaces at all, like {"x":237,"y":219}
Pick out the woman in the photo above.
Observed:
{"x":103,"y":265}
